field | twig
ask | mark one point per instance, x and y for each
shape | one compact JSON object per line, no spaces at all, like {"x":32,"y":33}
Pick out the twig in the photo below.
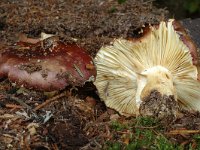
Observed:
{"x":26,"y":142}
{"x":78,"y":70}
{"x":123,"y":132}
{"x":99,"y":145}
{"x":10,"y":136}
{"x":49,"y":101}
{"x":150,"y":1}
{"x":13,"y":106}
{"x":184,"y":143}
{"x":7,"y":116}
{"x":19,"y":101}
{"x":55,"y":147}
{"x":174,"y":132}
{"x":141,"y":127}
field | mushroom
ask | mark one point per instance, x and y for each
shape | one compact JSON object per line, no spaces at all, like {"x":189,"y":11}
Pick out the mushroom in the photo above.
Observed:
{"x":47,"y":64}
{"x":153,"y":75}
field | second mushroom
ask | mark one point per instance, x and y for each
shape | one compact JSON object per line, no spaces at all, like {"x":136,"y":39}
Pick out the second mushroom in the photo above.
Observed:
{"x":153,"y":75}
{"x":46,"y":64}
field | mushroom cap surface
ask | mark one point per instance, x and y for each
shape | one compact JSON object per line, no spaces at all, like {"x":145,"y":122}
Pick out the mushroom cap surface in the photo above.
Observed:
{"x":46,"y":65}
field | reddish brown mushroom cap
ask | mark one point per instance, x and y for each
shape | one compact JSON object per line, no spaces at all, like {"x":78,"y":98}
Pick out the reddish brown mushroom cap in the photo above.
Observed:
{"x":47,"y":65}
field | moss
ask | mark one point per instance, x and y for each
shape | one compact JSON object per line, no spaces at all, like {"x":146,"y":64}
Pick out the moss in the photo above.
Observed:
{"x":141,"y":133}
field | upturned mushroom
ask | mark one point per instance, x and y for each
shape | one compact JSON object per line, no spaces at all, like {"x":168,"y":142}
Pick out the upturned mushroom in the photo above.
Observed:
{"x":153,"y":75}
{"x":46,"y":64}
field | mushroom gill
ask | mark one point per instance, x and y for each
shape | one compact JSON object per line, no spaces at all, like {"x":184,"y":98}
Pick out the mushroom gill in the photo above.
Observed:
{"x":150,"y":75}
{"x":47,"y":64}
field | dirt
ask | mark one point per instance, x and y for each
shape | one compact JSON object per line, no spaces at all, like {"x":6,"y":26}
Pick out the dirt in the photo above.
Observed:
{"x":73,"y":118}
{"x":90,"y":23}
{"x":30,"y":68}
{"x":159,"y":106}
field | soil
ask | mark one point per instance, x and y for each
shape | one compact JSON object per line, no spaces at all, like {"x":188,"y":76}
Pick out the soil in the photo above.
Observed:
{"x":159,"y":106}
{"x":90,"y":23}
{"x":30,"y":68}
{"x":73,"y":118}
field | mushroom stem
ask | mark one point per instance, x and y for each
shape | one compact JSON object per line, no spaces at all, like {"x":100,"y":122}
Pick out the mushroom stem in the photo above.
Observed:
{"x":160,"y":79}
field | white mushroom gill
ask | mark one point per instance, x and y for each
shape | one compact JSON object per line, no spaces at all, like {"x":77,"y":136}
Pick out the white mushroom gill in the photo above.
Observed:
{"x":128,"y":70}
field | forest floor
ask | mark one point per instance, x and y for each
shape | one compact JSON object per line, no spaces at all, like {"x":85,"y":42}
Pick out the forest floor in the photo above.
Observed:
{"x":75,"y":118}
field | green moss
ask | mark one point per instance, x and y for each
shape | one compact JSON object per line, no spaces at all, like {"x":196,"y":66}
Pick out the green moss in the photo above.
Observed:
{"x":162,"y":143}
{"x":115,"y":146}
{"x":121,"y":1}
{"x":112,"y":9}
{"x":197,"y":140}
{"x":118,"y":126}
{"x":142,"y":133}
{"x":146,"y":121}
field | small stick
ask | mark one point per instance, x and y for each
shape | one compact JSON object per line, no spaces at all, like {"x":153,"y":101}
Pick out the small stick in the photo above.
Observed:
{"x":141,"y":127}
{"x":13,"y":106}
{"x":26,"y":143}
{"x":174,"y":132}
{"x":19,"y":101}
{"x":7,"y":116}
{"x":78,"y":70}
{"x":49,"y":101}
{"x":55,"y":147}
{"x":184,"y":143}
